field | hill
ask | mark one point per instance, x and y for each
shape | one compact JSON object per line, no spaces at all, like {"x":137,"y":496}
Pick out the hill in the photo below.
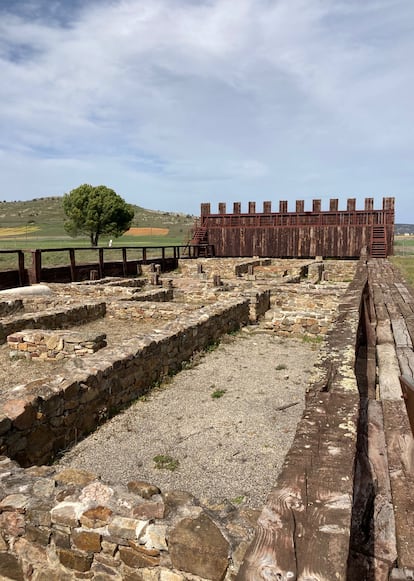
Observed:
{"x":44,"y":217}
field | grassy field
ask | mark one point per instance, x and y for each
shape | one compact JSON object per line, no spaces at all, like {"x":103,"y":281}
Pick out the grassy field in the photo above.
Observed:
{"x":39,"y":224}
{"x":40,"y":221}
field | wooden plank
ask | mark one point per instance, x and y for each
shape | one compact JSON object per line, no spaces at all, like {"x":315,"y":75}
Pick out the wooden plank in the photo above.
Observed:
{"x":388,"y":372}
{"x":373,"y":542}
{"x":407,"y":388}
{"x":400,"y":458}
{"x":406,"y":361}
{"x":72,"y":261}
{"x":405,"y":293}
{"x":303,"y":532}
{"x":400,"y":332}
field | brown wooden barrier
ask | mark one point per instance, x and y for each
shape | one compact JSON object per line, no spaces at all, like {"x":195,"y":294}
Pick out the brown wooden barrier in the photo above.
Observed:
{"x":30,"y":267}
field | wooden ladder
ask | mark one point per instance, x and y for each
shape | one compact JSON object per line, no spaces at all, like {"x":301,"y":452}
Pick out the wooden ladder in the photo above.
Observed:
{"x":378,"y":242}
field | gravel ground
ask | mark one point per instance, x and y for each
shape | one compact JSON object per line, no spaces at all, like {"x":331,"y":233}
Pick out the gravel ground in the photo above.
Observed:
{"x":218,"y":422}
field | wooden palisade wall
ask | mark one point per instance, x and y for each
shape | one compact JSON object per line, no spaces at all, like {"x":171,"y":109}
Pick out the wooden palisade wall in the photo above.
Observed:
{"x":332,"y":233}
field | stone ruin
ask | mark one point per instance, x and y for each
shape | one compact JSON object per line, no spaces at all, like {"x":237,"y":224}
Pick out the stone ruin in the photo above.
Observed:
{"x":69,"y":525}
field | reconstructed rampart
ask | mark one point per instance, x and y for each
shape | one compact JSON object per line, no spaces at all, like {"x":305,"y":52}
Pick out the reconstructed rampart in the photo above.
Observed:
{"x":331,"y":233}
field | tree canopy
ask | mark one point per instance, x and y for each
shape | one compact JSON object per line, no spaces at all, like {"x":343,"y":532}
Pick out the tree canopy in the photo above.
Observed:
{"x":96,"y":210}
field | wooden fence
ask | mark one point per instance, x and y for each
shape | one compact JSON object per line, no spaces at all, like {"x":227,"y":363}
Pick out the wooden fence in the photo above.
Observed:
{"x":30,"y":268}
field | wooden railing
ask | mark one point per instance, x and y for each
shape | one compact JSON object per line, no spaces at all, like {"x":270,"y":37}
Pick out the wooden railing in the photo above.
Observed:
{"x":33,"y":266}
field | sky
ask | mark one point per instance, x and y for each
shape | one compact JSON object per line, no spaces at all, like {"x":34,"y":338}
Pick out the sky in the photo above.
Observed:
{"x":177,"y":102}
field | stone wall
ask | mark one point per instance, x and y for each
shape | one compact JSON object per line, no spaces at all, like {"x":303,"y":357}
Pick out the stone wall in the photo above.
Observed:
{"x":40,"y":422}
{"x":301,"y":311}
{"x":70,"y":525}
{"x":10,"y":307}
{"x":53,"y":319}
{"x":53,"y":345}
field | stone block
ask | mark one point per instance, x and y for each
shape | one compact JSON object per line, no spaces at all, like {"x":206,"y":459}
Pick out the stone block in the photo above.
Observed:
{"x":137,"y":559}
{"x":67,"y":513}
{"x":197,"y":546}
{"x":144,"y":489}
{"x":38,"y":535}
{"x":97,"y":517}
{"x":123,"y":527}
{"x":12,"y":524}
{"x":86,"y":540}
{"x":76,"y":560}
{"x":10,"y":567}
{"x":75,"y":476}
{"x":149,"y":510}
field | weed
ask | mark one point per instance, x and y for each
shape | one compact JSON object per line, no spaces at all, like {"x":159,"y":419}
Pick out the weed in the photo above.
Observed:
{"x":218,"y":393}
{"x":238,"y":499}
{"x":212,"y":346}
{"x":281,"y":366}
{"x":312,"y":339}
{"x":234,"y":332}
{"x":165,"y":462}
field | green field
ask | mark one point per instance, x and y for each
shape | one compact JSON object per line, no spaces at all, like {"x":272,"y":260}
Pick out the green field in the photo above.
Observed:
{"x":39,"y":224}
{"x":41,"y":221}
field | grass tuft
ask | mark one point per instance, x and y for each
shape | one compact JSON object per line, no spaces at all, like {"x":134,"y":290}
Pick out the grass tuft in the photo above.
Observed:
{"x":218,"y":393}
{"x":166,"y":462}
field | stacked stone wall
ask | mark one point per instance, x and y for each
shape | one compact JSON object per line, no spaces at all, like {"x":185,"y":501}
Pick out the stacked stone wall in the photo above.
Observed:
{"x":300,"y":312}
{"x":53,"y":319}
{"x":63,"y":526}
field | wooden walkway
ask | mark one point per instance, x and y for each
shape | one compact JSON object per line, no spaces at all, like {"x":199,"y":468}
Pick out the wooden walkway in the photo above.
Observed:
{"x":343,"y":505}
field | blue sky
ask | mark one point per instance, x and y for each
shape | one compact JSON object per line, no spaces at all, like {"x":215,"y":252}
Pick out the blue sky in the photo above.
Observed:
{"x":177,"y":102}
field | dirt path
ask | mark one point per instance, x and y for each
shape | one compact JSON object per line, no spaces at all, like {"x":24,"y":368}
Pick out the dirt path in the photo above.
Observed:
{"x":226,"y":423}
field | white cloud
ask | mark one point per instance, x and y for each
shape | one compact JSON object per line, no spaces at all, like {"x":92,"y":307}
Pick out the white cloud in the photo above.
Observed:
{"x":240,"y":96}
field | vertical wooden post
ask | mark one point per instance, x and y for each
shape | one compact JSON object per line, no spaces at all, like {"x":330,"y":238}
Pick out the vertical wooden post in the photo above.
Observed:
{"x":351,"y":204}
{"x":124,"y":261}
{"x":369,"y":204}
{"x":333,"y":205}
{"x":36,"y":268}
{"x":20,"y":258}
{"x":144,"y":256}
{"x":300,"y":206}
{"x":205,"y":210}
{"x":316,"y":206}
{"x":101,"y":263}
{"x":72,"y":264}
{"x":163,"y":258}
